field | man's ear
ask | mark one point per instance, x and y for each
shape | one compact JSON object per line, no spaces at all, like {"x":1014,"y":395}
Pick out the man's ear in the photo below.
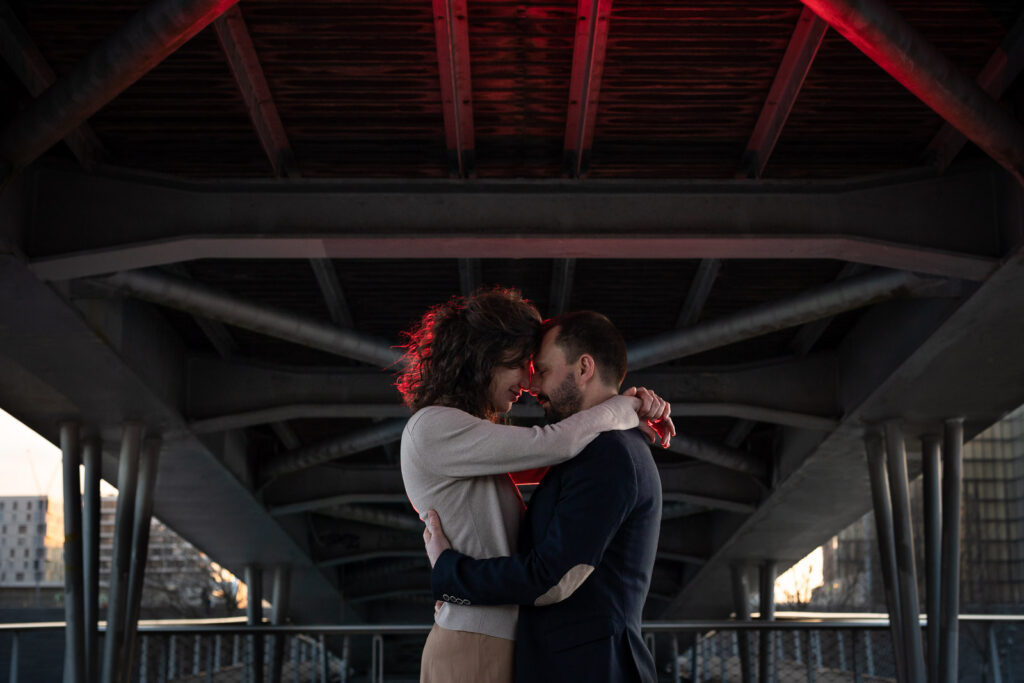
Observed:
{"x":586,"y":368}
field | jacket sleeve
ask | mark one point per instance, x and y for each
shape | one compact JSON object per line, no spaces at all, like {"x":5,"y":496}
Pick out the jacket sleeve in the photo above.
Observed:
{"x":597,"y":493}
{"x":452,"y":443}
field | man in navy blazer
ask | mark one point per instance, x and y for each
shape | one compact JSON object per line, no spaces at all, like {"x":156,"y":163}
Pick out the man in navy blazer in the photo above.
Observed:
{"x":588,"y":541}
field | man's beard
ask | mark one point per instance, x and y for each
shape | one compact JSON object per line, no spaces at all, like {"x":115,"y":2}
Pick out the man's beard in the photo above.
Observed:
{"x":565,"y":400}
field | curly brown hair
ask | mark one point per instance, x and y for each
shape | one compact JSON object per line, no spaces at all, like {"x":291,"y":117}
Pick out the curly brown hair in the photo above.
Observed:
{"x":451,"y":354}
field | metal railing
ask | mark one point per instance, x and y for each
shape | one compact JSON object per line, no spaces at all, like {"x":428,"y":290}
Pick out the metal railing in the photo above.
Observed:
{"x":816,"y":649}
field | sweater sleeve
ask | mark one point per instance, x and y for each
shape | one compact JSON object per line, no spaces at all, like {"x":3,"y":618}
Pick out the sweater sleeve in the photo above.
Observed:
{"x":453,"y":443}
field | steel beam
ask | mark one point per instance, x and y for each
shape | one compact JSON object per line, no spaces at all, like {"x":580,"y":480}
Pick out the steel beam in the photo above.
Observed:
{"x":349,"y":444}
{"x":949,"y":609}
{"x":144,"y":41}
{"x":562,"y":272}
{"x":92,"y":454}
{"x":932,"y":547}
{"x":127,"y":479}
{"x":451,"y":31}
{"x":74,"y":606}
{"x":896,"y":464}
{"x":882,"y":505}
{"x":741,"y":606}
{"x":808,"y":335}
{"x":371,"y":555}
{"x":588,"y":52}
{"x":999,"y":72}
{"x":700,"y":290}
{"x":28,"y":64}
{"x":400,"y":521}
{"x":252,"y":84}
{"x":825,"y":301}
{"x":470,"y":277}
{"x":888,"y":40}
{"x":148,"y":466}
{"x":86,"y":225}
{"x":197,"y":299}
{"x":796,"y":64}
{"x":723,"y":456}
{"x":334,"y":501}
{"x":332,"y":291}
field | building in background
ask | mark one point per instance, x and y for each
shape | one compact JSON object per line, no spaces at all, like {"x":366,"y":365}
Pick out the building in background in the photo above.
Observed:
{"x":25,"y":577}
{"x":180,"y":581}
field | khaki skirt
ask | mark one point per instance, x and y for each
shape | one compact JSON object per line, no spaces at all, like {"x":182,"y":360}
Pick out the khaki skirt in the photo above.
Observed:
{"x":464,"y":657}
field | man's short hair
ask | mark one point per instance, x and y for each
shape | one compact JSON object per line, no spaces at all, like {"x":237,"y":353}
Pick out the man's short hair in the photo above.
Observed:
{"x":589,"y":332}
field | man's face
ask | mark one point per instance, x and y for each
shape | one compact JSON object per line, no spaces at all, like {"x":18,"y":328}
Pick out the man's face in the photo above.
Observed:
{"x":554,"y":380}
{"x":507,"y":383}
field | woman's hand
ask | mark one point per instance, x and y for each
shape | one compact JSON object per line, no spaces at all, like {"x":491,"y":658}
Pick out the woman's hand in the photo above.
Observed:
{"x":654,"y":413}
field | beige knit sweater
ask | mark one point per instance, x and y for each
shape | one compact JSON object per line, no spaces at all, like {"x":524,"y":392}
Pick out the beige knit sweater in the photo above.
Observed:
{"x":458,"y":465}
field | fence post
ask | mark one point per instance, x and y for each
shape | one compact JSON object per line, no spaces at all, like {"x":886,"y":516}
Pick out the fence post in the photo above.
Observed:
{"x":345,"y":644}
{"x":14,"y":658}
{"x":996,"y":675}
{"x":377,"y":660}
{"x":675,"y":658}
{"x":295,"y":659}
{"x":810,"y":656}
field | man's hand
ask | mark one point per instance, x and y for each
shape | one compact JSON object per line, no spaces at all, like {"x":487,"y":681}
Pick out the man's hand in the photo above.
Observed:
{"x":433,"y":538}
{"x":654,"y":414}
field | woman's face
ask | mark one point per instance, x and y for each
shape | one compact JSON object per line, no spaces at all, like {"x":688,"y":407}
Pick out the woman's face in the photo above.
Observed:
{"x":507,"y":383}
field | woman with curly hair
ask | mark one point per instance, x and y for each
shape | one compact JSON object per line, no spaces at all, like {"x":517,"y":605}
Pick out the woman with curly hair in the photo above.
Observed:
{"x":467,"y":362}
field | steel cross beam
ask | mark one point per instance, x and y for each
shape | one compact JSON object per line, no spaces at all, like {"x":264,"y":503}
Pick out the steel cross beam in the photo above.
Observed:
{"x":451,"y":31}
{"x":1002,"y":69}
{"x":562,"y":273}
{"x":888,"y":40}
{"x":92,"y":224}
{"x":237,"y":45}
{"x":593,"y":18}
{"x":700,"y":290}
{"x":32,"y":69}
{"x":144,"y":41}
{"x":796,"y":63}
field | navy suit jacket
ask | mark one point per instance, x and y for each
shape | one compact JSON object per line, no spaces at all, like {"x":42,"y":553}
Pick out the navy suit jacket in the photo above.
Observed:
{"x":600,"y":510}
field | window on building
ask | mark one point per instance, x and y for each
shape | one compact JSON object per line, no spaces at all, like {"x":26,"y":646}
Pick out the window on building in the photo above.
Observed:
{"x":14,"y":505}
{"x":19,"y":576}
{"x":12,"y":552}
{"x":42,"y":505}
{"x":41,"y":552}
{"x":41,"y":529}
{"x":28,"y":516}
{"x":26,"y":552}
{"x":22,"y":529}
{"x":1,"y":505}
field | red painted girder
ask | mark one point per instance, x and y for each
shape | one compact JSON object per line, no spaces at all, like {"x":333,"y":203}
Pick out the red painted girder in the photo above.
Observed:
{"x":888,"y":40}
{"x":796,"y":63}
{"x":140,"y":44}
{"x":451,"y":30}
{"x":1003,"y":67}
{"x":252,"y":84}
{"x":592,"y":20}
{"x":28,"y":64}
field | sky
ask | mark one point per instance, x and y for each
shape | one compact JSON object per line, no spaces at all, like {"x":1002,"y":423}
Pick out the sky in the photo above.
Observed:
{"x":29,"y":464}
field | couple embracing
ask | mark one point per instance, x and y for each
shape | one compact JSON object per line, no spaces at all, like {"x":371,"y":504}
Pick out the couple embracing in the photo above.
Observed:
{"x":555,"y":592}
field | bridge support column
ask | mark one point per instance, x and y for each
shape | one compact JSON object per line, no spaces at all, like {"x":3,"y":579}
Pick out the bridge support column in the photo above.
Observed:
{"x":254,"y":617}
{"x":279,"y":600}
{"x":741,"y":604}
{"x":140,"y":548}
{"x":932,"y":543}
{"x":875,"y":450}
{"x":949,"y":609}
{"x":120,"y":565}
{"x":91,"y":455}
{"x":74,"y":610}
{"x":766,"y":576}
{"x":906,"y":570}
